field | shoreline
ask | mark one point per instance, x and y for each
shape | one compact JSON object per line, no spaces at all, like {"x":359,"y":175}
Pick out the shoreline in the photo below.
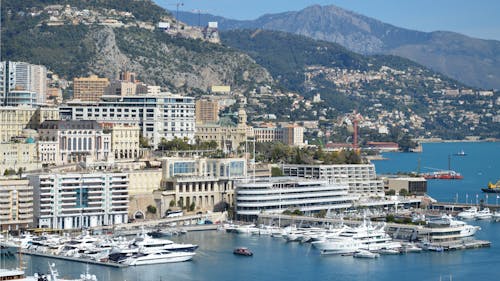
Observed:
{"x":453,"y":141}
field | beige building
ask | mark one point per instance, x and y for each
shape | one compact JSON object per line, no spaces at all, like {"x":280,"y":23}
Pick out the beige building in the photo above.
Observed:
{"x":292,"y":135}
{"x":15,"y":155}
{"x":207,"y":111}
{"x":90,"y":88}
{"x":13,"y":120}
{"x":16,"y":204}
{"x":415,"y":186}
{"x":144,"y":181}
{"x":206,"y":183}
{"x":124,"y":140}
{"x":228,"y":135}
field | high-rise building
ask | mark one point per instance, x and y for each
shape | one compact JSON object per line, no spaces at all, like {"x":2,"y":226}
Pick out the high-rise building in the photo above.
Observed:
{"x":90,"y":88}
{"x":22,"y":77}
{"x":207,"y":111}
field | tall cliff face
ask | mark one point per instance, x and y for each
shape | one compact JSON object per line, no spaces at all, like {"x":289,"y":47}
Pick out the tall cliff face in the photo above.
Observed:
{"x":83,"y":39}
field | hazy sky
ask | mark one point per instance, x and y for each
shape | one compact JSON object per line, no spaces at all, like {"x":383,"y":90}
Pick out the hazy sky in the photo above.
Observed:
{"x":477,"y":18}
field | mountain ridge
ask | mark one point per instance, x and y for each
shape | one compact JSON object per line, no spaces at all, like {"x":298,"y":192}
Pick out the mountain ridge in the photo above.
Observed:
{"x":470,"y":60}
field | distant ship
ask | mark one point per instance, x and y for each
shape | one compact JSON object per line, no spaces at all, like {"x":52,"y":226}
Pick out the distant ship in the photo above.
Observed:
{"x":461,"y":153}
{"x":443,"y":175}
{"x":492,"y":188}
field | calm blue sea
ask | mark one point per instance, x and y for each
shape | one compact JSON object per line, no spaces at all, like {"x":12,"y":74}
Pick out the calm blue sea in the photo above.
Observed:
{"x":274,"y":259}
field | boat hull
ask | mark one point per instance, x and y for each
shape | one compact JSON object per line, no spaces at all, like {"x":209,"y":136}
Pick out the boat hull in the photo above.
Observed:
{"x":490,"y":190}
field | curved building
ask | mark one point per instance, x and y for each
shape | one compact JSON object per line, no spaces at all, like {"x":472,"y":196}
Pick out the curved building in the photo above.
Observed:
{"x":275,"y":195}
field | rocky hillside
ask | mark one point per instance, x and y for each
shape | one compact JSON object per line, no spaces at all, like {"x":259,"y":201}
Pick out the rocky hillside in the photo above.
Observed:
{"x":472,"y":61}
{"x":76,"y":38}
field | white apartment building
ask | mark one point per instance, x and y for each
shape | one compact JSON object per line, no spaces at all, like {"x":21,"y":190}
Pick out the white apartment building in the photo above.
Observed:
{"x":64,"y":141}
{"x":160,"y":116}
{"x":275,"y":195}
{"x":68,"y":201}
{"x":16,"y":204}
{"x":361,"y":178}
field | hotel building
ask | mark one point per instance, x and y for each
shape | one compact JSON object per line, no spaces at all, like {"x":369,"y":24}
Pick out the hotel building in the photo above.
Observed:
{"x":203,"y":181}
{"x":165,"y":116}
{"x":361,"y":178}
{"x":14,"y":120}
{"x":68,"y":201}
{"x":16,"y":204}
{"x":275,"y":195}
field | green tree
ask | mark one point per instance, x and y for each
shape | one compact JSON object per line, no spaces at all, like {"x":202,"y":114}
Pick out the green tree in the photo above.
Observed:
{"x":276,"y":172}
{"x":391,"y":192}
{"x":172,"y":203}
{"x":404,"y":192}
{"x":151,"y":209}
{"x":192,"y":206}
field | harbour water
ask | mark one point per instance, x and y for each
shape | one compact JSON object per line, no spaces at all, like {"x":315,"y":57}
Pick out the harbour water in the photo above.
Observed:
{"x":274,"y":259}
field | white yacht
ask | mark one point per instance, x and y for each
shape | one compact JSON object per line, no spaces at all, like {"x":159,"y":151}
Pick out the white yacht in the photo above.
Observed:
{"x":446,"y":228}
{"x":365,"y":254}
{"x":468,"y":214}
{"x":484,"y":214}
{"x":350,"y":240}
{"x":158,"y":257}
{"x":247,"y":229}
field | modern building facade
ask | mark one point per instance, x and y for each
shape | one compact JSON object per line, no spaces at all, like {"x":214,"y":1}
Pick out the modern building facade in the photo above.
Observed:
{"x":67,"y":141}
{"x":361,"y":178}
{"x":203,"y":181}
{"x":413,"y":185}
{"x":16,"y":204}
{"x":275,"y":195}
{"x":23,"y":78}
{"x":163,"y":116}
{"x":74,"y":200}
{"x":90,"y":88}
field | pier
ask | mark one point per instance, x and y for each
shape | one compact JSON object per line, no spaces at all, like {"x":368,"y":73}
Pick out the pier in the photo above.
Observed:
{"x":89,"y":261}
{"x":458,"y":207}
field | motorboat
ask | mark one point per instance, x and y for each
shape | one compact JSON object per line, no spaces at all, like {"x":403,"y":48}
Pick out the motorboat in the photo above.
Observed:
{"x":365,"y":254}
{"x":52,"y":275}
{"x":147,"y":243}
{"x":484,"y":214}
{"x":468,"y":214}
{"x":410,"y":248}
{"x":447,"y":228}
{"x":350,"y":240}
{"x":389,"y":251}
{"x":247,"y":229}
{"x":161,"y":256}
{"x":242,"y":251}
{"x":492,"y":188}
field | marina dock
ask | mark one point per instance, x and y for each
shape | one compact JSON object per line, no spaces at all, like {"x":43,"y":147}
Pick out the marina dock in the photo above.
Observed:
{"x":33,"y":253}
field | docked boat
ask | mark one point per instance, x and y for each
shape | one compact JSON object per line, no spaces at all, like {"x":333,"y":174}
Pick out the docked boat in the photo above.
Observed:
{"x":468,"y":214}
{"x":365,"y":254}
{"x":158,"y":257}
{"x":242,"y":251}
{"x":496,"y":216}
{"x":350,"y":240}
{"x":410,"y":248}
{"x":447,"y":229}
{"x":52,"y":275}
{"x":443,"y":175}
{"x":484,"y":214}
{"x":492,"y":188}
